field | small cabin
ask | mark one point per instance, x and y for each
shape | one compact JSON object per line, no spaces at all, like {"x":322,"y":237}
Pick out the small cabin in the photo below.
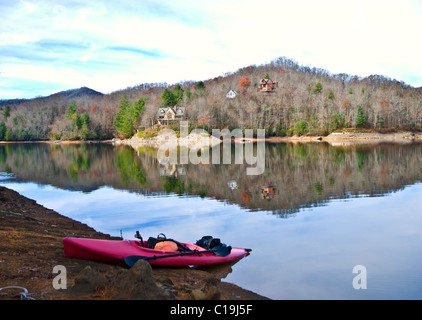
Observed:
{"x":231,"y":94}
{"x":268,"y":85}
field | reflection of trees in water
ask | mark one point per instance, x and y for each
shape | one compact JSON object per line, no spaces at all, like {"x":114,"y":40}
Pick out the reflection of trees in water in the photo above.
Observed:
{"x":173,"y":184}
{"x":295,"y":176}
{"x":129,"y":168}
{"x":74,"y":166}
{"x":81,"y":163}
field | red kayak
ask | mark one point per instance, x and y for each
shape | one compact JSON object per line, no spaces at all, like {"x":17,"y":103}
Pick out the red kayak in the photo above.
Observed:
{"x":129,"y":251}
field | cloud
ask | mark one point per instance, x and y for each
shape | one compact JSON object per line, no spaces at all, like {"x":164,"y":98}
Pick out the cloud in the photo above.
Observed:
{"x":137,"y":51}
{"x":7,"y":39}
{"x":170,"y":41}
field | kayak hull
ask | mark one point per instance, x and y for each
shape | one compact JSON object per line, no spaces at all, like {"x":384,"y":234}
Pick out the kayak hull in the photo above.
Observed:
{"x":115,"y":251}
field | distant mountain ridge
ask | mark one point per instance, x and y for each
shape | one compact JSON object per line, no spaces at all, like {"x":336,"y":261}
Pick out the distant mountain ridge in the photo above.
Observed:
{"x":67,"y":95}
{"x":12,"y":102}
{"x":78,"y":93}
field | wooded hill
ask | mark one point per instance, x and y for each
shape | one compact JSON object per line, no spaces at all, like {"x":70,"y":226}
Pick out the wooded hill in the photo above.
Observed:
{"x":307,"y":101}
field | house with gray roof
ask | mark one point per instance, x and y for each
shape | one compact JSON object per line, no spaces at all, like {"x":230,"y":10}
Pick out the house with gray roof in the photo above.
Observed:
{"x":169,"y":114}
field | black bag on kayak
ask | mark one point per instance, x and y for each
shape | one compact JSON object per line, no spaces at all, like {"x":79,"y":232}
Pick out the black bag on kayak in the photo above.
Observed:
{"x":153,"y":241}
{"x":162,"y":239}
{"x":208,"y":242}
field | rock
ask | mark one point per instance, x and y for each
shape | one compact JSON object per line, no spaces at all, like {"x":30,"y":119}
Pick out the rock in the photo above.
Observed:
{"x":197,"y":294}
{"x":88,"y":281}
{"x":209,"y":290}
{"x":137,"y":283}
{"x":193,"y":141}
{"x":210,"y":293}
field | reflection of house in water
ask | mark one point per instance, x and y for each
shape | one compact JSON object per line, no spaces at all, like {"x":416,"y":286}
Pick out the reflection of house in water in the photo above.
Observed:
{"x":170,"y":170}
{"x":268,"y":192}
{"x":232,"y":184}
{"x":166,"y":115}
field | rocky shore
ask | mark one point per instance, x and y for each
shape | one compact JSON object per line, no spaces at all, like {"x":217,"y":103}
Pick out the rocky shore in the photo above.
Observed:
{"x":373,"y":137}
{"x":341,"y":138}
{"x":337,"y":138}
{"x":31,"y":247}
{"x":192,"y":141}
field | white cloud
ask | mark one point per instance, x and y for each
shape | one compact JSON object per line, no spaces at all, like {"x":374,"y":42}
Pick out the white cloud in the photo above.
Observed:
{"x":28,"y":7}
{"x":191,"y":40}
{"x":15,"y":38}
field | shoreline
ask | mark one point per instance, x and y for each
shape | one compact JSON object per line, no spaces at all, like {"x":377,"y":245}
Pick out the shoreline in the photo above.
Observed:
{"x":353,"y":137}
{"x":348,"y":138}
{"x":334,"y":139}
{"x":196,"y":141}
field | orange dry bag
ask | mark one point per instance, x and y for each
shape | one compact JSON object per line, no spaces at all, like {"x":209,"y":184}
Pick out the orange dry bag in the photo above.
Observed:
{"x":166,"y":246}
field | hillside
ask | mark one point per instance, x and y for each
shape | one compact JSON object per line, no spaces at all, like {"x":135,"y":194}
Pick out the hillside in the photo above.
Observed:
{"x":305,"y":101}
{"x":78,"y":93}
{"x":12,"y":102}
{"x":67,"y":95}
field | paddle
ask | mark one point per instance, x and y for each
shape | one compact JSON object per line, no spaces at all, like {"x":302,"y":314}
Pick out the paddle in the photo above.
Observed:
{"x":221,"y":250}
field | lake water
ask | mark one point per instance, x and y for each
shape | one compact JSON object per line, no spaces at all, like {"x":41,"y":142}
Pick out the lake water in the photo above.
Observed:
{"x":316,"y":213}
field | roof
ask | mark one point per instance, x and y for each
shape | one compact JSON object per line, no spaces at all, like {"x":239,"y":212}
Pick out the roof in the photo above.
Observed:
{"x":267,"y":81}
{"x":178,"y":111}
{"x":161,"y":112}
{"x":231,"y":93}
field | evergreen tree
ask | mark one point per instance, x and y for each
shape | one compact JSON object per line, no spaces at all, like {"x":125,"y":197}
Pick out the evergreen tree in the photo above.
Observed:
{"x":178,"y":94}
{"x":6,"y":112}
{"x":2,"y":130}
{"x":338,"y":121}
{"x":127,"y":117}
{"x":8,"y":135}
{"x":122,"y":120}
{"x":85,"y":122}
{"x":136,"y":111}
{"x":188,"y":93}
{"x":360,"y":118}
{"x":167,"y":98}
{"x":200,"y":85}
{"x":171,"y":98}
{"x":200,"y":88}
{"x":318,"y":87}
{"x":71,"y":110}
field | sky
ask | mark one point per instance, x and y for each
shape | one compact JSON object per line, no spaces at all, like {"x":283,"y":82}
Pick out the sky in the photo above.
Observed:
{"x":50,"y":46}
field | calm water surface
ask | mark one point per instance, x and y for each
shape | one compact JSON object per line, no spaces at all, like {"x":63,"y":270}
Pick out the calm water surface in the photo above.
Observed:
{"x":315,"y":213}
